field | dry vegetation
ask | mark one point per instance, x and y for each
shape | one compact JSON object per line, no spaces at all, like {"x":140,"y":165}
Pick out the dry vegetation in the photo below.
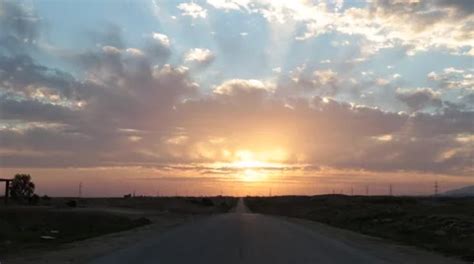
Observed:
{"x":60,"y":220}
{"x":445,"y":225}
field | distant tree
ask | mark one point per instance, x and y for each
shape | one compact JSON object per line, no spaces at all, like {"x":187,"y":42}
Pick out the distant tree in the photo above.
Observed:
{"x":22,"y":188}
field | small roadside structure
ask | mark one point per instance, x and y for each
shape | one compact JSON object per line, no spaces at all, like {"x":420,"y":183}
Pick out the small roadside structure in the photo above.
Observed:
{"x":7,"y":188}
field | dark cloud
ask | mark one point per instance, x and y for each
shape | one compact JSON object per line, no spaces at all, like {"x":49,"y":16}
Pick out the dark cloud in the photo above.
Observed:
{"x":158,"y":48}
{"x":21,"y":74}
{"x":462,"y":7}
{"x":34,"y":111}
{"x":419,"y":98}
{"x":19,"y":28}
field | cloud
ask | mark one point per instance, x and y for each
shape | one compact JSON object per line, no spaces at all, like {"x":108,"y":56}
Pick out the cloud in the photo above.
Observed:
{"x":414,"y":25}
{"x":325,"y":76}
{"x":234,"y":86}
{"x":161,"y":39}
{"x":228,"y":5}
{"x":243,"y":92}
{"x":417,"y":99}
{"x":129,"y":106}
{"x":193,"y":10}
{"x":158,"y":47}
{"x":314,"y":132}
{"x":321,"y":81}
{"x":202,"y":129}
{"x":21,"y":76}
{"x":202,"y":57}
{"x":452,"y":78}
{"x":19,"y":28}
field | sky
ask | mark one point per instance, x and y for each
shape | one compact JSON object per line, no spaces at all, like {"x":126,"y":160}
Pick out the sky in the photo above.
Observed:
{"x":238,"y":97}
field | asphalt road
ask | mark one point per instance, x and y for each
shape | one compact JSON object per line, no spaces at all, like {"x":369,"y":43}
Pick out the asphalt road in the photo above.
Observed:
{"x":242,"y":237}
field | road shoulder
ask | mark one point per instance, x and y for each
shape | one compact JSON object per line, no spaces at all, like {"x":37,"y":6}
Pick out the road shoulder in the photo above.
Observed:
{"x":372,"y":245}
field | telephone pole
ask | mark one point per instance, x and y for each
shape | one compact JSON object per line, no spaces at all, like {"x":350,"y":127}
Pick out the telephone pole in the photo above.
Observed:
{"x":390,"y":190}
{"x":436,"y":188}
{"x":80,"y":190}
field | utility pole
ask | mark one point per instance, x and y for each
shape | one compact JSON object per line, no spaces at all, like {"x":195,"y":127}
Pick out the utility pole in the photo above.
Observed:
{"x":390,"y":190}
{"x":436,"y":188}
{"x":7,"y":188}
{"x":80,"y":190}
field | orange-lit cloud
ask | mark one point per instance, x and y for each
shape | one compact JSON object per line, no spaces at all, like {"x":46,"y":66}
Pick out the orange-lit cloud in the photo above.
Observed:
{"x":143,"y":109}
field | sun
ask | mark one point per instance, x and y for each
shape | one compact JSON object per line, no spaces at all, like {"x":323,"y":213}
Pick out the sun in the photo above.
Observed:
{"x":252,"y":167}
{"x":252,"y":175}
{"x":245,"y":159}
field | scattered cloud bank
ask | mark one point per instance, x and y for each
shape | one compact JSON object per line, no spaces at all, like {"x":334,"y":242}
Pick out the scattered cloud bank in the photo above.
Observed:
{"x":416,"y":25}
{"x":130,"y":106}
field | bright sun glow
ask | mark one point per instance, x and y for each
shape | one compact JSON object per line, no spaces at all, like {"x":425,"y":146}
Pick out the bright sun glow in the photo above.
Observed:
{"x":251,"y":175}
{"x":245,"y":159}
{"x":251,"y":168}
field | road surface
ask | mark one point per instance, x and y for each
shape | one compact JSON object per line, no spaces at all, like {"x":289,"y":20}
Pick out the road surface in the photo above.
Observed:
{"x":242,"y":237}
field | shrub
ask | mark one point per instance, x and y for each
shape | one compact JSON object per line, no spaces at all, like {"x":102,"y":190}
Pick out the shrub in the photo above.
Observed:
{"x":71,"y":203}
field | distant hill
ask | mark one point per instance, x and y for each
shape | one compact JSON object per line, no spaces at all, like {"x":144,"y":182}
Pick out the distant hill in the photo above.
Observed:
{"x":464,"y":191}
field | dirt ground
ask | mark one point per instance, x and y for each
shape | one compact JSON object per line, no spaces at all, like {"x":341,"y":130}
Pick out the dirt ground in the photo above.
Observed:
{"x":444,"y":225}
{"x":93,"y":226}
{"x":85,"y":250}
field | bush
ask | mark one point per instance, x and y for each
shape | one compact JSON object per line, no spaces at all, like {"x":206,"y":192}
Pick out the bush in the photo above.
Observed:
{"x":34,"y":200}
{"x":71,"y":203}
{"x":207,"y":202}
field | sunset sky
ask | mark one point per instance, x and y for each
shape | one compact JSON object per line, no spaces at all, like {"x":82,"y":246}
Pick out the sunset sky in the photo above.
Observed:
{"x":237,"y":96}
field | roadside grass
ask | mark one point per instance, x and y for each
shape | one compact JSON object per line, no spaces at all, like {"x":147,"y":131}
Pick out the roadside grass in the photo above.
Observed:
{"x":62,"y":220}
{"x":441,"y":224}
{"x":180,"y":205}
{"x":36,"y":227}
